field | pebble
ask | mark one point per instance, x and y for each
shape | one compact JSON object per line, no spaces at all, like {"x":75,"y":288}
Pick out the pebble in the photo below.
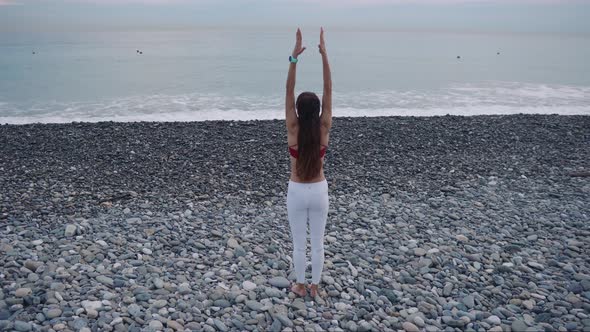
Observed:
{"x":105,"y":280}
{"x":518,"y":325}
{"x":494,"y":320}
{"x":22,"y":292}
{"x":409,"y":327}
{"x":156,"y":325}
{"x":70,"y":230}
{"x":280,"y":282}
{"x":22,"y":326}
{"x":176,"y":326}
{"x":53,"y":313}
{"x":220,"y":325}
{"x":493,"y":238}
{"x":248,"y":285}
{"x":254,"y":305}
{"x":232,"y":243}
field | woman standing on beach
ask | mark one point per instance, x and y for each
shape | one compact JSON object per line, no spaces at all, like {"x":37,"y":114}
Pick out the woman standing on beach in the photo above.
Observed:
{"x":308,"y":133}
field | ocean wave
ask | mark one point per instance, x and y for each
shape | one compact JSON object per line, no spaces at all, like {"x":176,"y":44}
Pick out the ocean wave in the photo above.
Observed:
{"x":459,"y":99}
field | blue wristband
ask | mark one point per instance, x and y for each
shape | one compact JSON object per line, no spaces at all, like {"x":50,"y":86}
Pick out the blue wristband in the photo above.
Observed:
{"x":292,"y":59}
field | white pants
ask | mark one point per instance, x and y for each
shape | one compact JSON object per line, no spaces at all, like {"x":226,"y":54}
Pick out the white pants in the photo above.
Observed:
{"x":308,"y":202}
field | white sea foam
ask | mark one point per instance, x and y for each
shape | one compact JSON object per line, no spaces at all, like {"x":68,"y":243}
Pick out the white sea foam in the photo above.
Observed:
{"x":464,"y":99}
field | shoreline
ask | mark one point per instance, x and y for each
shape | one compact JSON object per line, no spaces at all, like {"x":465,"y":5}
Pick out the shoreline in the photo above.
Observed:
{"x":468,"y":222}
{"x":282,"y":119}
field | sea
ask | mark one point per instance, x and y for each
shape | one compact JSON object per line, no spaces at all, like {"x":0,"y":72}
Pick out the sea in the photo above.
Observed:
{"x":239,"y":73}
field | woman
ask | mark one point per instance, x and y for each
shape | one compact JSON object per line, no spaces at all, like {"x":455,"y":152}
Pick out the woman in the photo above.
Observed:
{"x":308,"y":133}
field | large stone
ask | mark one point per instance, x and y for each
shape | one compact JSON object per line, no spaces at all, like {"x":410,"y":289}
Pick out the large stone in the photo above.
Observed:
{"x":280,"y":282}
{"x":220,"y":325}
{"x":223,"y":303}
{"x":53,"y":313}
{"x":156,"y":325}
{"x":22,"y":292}
{"x":248,"y":285}
{"x":91,"y":305}
{"x":176,"y":326}
{"x":518,"y":325}
{"x":410,"y":327}
{"x":494,"y":320}
{"x":70,"y":230}
{"x":22,"y":326}
{"x":232,"y":243}
{"x":134,"y":310}
{"x":105,"y":280}
{"x":419,"y":252}
{"x":469,"y":301}
{"x":254,"y":305}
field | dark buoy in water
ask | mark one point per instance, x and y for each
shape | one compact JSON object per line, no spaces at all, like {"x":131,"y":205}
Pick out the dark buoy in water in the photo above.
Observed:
{"x":498,"y":53}
{"x":140,"y":52}
{"x":458,"y":57}
{"x":34,"y":53}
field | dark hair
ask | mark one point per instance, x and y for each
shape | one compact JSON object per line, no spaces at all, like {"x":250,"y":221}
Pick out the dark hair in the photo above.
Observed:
{"x":308,"y":163}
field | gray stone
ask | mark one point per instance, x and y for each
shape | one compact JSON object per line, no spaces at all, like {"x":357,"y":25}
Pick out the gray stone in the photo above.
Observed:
{"x":518,"y":326}
{"x":79,"y":323}
{"x":184,"y":288}
{"x":232,"y":243}
{"x":158,"y":283}
{"x":410,"y":327}
{"x":280,"y":282}
{"x":254,"y":305}
{"x":285,"y":320}
{"x":156,"y":325}
{"x":299,"y":305}
{"x":447,"y":289}
{"x":494,"y":320}
{"x":53,"y":312}
{"x":223,"y":303}
{"x":159,"y":304}
{"x":22,"y":326}
{"x":220,"y":325}
{"x":134,"y":310}
{"x":419,"y":252}
{"x":240,"y":252}
{"x":70,"y":230}
{"x":174,"y":325}
{"x":23,"y":292}
{"x":469,"y":301}
{"x":248,"y":285}
{"x":105,"y":280}
{"x":276,"y":326}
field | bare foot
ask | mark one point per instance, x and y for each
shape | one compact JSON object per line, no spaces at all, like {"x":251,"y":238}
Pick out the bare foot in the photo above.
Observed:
{"x":313,"y":290}
{"x":299,"y":289}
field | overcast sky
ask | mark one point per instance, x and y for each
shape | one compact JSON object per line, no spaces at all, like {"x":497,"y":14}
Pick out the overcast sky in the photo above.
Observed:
{"x":473,"y":15}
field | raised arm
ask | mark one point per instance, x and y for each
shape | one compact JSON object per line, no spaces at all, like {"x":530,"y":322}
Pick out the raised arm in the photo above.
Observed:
{"x":326,"y":117}
{"x":290,"y":114}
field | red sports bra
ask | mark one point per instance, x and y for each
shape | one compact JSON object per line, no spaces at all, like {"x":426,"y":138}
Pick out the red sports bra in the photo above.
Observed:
{"x":295,"y":154}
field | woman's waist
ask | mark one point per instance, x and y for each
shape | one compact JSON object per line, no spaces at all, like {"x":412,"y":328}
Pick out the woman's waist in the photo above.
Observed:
{"x":317,"y":179}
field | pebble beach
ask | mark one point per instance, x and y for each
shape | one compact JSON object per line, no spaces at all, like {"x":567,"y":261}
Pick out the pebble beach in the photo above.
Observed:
{"x":447,"y":223}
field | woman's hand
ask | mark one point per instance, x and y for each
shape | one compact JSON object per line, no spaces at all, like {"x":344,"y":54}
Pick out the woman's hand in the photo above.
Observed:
{"x":298,"y":48}
{"x":322,"y":45}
